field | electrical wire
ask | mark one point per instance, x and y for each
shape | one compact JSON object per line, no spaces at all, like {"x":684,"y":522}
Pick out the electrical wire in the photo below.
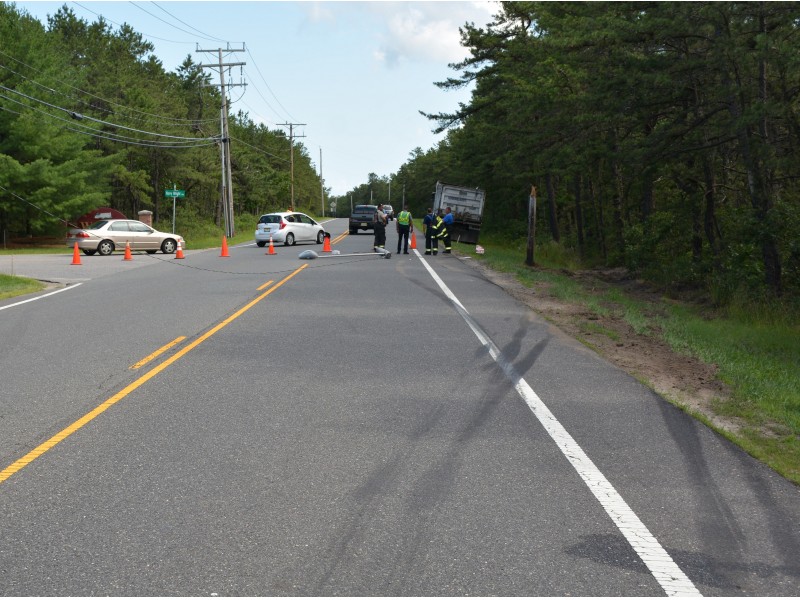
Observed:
{"x":78,"y":116}
{"x":110,"y":102}
{"x":207,"y":36}
{"x":108,"y":135}
{"x":123,"y":24}
{"x":238,"y":141}
{"x":255,"y":64}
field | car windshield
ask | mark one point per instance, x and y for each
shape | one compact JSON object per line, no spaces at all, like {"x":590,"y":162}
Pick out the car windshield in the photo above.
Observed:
{"x":270,"y":219}
{"x":97,"y":224}
{"x":365,"y":208}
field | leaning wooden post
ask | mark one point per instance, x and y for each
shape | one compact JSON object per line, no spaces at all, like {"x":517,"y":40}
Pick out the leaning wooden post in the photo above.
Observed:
{"x":531,"y":227}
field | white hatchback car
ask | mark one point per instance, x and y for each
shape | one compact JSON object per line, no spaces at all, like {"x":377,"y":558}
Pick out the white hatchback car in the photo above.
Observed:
{"x":288,"y":228}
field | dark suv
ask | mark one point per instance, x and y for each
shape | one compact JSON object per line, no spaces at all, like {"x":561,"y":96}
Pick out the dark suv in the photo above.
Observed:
{"x":363,"y":217}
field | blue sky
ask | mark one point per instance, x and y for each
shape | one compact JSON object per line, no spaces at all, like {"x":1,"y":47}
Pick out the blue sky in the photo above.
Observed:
{"x":355,"y":73}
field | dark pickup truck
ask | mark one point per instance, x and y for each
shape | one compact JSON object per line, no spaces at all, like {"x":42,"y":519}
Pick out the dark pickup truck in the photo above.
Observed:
{"x":363,"y":217}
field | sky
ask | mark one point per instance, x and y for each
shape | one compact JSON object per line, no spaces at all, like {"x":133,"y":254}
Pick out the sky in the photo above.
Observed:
{"x":353,"y":76}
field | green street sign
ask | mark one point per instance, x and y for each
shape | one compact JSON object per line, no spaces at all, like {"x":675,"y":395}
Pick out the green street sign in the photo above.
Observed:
{"x":174,"y":193}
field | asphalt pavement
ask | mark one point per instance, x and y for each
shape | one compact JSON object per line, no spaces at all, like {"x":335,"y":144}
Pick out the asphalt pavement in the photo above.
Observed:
{"x":351,"y":425}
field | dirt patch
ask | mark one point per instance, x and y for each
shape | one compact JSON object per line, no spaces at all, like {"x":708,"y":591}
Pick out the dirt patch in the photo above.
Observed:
{"x":683,"y":380}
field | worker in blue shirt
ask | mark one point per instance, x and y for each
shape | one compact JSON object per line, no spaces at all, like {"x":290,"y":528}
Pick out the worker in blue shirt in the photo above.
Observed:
{"x":447,"y":224}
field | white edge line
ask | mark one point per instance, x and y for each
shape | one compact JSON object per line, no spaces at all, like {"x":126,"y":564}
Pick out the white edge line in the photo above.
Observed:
{"x":668,"y":574}
{"x":69,"y":287}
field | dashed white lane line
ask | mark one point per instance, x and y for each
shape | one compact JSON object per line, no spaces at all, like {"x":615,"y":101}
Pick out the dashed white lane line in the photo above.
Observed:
{"x":672,"y":580}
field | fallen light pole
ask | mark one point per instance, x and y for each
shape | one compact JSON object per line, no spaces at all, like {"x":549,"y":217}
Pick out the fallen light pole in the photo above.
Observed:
{"x":311,"y":255}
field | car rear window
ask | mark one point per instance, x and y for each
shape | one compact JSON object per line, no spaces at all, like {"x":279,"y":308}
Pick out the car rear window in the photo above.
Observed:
{"x":270,"y":219}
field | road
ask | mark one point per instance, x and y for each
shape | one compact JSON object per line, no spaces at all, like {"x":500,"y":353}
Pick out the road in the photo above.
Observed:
{"x":351,"y":425}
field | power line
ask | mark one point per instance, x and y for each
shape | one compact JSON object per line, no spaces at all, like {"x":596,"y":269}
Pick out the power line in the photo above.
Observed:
{"x":110,"y":102}
{"x":122,"y":24}
{"x":270,"y":89}
{"x":209,"y":37}
{"x":238,"y":141}
{"x":79,"y":116}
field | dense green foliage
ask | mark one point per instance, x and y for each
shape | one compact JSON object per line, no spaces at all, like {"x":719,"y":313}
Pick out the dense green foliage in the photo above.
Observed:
{"x":662,"y":136}
{"x":89,"y":117}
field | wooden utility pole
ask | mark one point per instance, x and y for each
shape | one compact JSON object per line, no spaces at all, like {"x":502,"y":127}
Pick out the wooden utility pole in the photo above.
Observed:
{"x":291,"y":127}
{"x":225,"y":141}
{"x":531,"y":227}
{"x":321,"y":184}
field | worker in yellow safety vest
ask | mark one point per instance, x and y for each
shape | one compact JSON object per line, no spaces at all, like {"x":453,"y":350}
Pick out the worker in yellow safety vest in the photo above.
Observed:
{"x":405,"y":226}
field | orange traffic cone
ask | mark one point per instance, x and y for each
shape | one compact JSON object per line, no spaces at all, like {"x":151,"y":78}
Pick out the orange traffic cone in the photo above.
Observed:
{"x":326,"y":247}
{"x":224,"y":248}
{"x":413,"y":237}
{"x":128,"y":255}
{"x":271,"y":247}
{"x":179,"y":251}
{"x":76,"y":255}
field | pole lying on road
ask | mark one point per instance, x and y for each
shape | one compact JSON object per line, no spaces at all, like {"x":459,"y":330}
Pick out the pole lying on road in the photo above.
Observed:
{"x":311,"y":255}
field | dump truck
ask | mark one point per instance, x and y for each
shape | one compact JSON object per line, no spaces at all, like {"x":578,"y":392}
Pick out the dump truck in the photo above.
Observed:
{"x":466,"y":204}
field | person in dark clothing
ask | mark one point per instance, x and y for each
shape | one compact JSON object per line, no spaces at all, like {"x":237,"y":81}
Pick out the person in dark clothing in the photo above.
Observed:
{"x":447,"y":223}
{"x":380,"y":229}
{"x":431,"y":241}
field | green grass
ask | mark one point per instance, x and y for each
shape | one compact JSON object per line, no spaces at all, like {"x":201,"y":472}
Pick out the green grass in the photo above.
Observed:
{"x":756,"y":348}
{"x":11,"y":286}
{"x":594,"y":328}
{"x":37,"y":250}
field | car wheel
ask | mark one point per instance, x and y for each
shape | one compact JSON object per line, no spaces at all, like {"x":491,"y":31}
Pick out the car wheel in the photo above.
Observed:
{"x":169,"y":246}
{"x":320,"y":237}
{"x":105,"y":248}
{"x":89,"y":252}
{"x":289,"y":240}
{"x":261,"y":244}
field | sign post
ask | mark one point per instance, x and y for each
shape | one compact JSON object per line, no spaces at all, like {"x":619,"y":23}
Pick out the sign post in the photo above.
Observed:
{"x":529,"y":258}
{"x":174,"y":193}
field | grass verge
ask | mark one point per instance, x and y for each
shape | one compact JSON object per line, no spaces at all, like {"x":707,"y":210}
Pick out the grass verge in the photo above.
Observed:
{"x":11,"y":286}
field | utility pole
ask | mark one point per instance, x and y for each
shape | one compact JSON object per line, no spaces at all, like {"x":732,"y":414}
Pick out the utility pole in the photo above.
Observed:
{"x":529,"y":257}
{"x":321,"y":184}
{"x":291,"y":127}
{"x":225,"y":141}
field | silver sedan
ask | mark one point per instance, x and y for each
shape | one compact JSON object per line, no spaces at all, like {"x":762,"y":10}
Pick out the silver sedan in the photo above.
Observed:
{"x":107,"y":235}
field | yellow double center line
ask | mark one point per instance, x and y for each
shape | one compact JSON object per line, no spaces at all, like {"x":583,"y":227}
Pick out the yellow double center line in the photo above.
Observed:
{"x":88,"y":417}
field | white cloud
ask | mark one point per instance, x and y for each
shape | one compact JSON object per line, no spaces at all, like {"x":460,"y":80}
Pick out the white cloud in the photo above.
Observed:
{"x":319,"y":12}
{"x":411,"y":31}
{"x":426,"y":31}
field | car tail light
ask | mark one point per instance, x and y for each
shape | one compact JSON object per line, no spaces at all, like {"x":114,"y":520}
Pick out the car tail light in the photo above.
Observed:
{"x":283,"y":224}
{"x":82,"y":234}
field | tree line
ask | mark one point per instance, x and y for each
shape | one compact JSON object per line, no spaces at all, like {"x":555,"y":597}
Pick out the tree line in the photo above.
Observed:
{"x":660,"y":136}
{"x":90,"y":117}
